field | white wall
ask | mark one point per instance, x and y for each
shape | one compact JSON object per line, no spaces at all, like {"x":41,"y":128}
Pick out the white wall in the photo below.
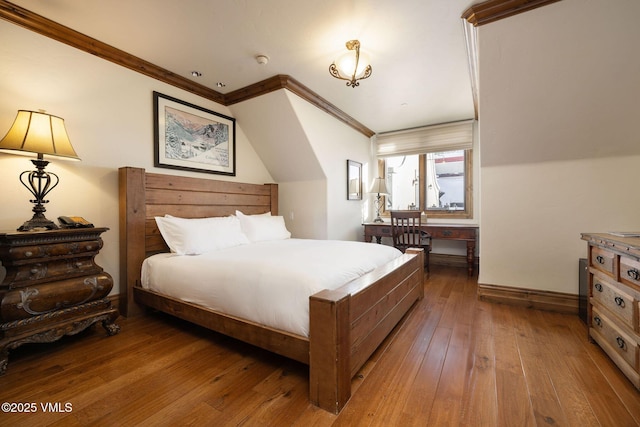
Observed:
{"x":109,"y":118}
{"x":334,"y":143}
{"x":306,"y":151}
{"x":559,"y":143}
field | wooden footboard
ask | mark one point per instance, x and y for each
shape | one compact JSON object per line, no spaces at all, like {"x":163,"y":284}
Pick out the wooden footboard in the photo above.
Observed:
{"x":346,"y":324}
{"x":349,"y":323}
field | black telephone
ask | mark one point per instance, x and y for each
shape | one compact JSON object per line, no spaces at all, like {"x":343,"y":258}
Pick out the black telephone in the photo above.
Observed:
{"x":74,"y":222}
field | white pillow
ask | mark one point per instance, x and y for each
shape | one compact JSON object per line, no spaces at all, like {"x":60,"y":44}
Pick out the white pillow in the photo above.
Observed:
{"x":260,"y":228}
{"x":194,"y":236}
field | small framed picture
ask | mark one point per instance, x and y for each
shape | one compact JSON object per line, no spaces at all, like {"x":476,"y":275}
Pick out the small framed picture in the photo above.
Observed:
{"x":354,"y":180}
{"x":193,"y":138}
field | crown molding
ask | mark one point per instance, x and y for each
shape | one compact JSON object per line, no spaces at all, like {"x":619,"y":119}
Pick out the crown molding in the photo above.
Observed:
{"x":283,"y":81}
{"x":48,"y":28}
{"x":494,"y":10}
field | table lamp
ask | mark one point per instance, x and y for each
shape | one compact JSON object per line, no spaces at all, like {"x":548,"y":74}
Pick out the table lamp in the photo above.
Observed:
{"x":379,"y":188}
{"x":39,"y":133}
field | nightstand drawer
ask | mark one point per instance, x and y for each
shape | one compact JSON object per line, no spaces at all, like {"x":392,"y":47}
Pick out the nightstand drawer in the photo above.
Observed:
{"x":41,"y":299}
{"x":622,"y":343}
{"x":615,"y":299}
{"x":603,"y":260}
{"x":18,"y":254}
{"x":25,"y":275}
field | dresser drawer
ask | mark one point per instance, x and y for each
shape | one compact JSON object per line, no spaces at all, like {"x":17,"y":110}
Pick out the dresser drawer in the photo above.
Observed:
{"x":630,"y":270}
{"x":603,"y":260}
{"x":616,"y":299}
{"x":615,"y":339}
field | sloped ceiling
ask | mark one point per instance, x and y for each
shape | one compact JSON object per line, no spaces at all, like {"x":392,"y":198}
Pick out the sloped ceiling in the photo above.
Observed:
{"x":273,"y":128}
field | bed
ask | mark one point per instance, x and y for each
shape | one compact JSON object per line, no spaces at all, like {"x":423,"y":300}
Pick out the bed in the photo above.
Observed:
{"x":345,"y":324}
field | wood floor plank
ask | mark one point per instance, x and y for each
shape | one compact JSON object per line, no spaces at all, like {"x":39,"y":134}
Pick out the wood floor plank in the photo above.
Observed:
{"x":480,"y":403}
{"x":554,"y":347}
{"x":511,"y":388}
{"x":447,"y":405}
{"x":543,"y":398}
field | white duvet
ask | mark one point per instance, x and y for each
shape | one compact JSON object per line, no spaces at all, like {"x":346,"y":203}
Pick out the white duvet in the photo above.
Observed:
{"x":265,"y":282}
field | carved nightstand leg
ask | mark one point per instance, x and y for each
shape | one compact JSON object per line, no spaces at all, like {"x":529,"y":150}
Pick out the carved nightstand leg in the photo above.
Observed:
{"x":110,"y":327}
{"x":4,"y":360}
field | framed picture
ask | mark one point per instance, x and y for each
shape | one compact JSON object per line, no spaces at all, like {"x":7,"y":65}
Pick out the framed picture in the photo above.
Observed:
{"x":193,"y":138}
{"x":354,"y":180}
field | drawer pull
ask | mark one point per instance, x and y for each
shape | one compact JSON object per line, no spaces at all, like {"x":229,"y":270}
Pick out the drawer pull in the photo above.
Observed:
{"x":28,"y":253}
{"x":600,"y":259}
{"x":34,"y":271}
{"x":634,"y":274}
{"x":621,"y":344}
{"x":598,"y":287}
{"x":597,"y":320}
{"x":619,"y":302}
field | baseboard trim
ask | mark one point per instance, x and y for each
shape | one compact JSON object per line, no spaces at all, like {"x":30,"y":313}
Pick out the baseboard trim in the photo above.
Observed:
{"x":542,"y":300}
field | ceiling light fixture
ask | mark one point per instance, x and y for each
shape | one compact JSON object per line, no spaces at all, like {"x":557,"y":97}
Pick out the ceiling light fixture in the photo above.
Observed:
{"x":196,"y":74}
{"x":355,"y":67}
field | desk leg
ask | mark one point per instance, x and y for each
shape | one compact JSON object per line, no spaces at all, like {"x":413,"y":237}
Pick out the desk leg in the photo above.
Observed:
{"x":368,"y":238}
{"x":471,"y":252}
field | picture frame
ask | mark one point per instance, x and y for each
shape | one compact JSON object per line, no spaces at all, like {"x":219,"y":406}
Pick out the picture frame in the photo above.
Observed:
{"x":189,"y":137}
{"x":354,"y":180}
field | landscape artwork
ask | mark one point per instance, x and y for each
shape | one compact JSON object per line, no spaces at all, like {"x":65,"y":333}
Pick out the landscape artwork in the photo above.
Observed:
{"x":193,"y":138}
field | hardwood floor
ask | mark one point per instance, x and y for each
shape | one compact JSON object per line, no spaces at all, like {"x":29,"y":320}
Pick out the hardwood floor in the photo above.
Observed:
{"x":452,"y":361}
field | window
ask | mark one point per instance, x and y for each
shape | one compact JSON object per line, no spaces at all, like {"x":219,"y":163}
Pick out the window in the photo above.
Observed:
{"x":429,"y":169}
{"x":437,"y":183}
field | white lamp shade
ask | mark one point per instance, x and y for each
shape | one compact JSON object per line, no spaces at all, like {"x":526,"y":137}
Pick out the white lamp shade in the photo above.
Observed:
{"x":40,"y":133}
{"x":379,"y":186}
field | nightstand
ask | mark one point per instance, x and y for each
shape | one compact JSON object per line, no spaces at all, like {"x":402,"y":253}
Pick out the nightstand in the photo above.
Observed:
{"x":51,"y":287}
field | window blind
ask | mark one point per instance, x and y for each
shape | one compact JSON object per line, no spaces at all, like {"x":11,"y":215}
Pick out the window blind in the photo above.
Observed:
{"x":429,"y":139}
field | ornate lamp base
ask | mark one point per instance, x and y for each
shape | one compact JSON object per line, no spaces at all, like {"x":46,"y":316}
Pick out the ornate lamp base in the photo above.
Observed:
{"x":38,"y":222}
{"x":39,"y":183}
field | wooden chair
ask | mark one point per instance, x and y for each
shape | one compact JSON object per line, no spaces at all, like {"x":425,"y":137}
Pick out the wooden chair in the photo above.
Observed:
{"x":407,"y":233}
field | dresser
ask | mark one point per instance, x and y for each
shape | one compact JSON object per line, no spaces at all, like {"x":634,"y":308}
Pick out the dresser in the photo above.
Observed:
{"x":614,"y":299}
{"x":50,"y":286}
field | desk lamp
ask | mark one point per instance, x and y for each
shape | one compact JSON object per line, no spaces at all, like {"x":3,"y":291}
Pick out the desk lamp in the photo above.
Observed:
{"x":379,"y":188}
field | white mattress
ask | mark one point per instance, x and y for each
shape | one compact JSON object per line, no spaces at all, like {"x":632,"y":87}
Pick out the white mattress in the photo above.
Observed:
{"x":265,"y":282}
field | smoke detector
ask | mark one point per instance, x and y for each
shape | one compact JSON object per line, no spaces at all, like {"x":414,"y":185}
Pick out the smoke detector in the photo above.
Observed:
{"x":262,"y":59}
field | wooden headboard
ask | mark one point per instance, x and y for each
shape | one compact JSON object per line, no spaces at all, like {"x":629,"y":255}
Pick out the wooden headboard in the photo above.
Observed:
{"x":144,"y":196}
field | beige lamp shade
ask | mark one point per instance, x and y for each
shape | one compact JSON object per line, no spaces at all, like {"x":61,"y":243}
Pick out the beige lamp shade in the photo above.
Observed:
{"x":379,"y":186}
{"x":40,"y":133}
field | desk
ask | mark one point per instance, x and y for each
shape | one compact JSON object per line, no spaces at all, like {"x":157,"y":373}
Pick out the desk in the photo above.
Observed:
{"x":467,"y":233}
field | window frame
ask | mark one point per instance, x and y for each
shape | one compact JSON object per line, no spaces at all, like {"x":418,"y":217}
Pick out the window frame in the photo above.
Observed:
{"x":467,"y":213}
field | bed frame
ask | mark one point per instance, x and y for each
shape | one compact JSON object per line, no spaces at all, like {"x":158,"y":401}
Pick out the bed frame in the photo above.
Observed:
{"x":346,"y":324}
